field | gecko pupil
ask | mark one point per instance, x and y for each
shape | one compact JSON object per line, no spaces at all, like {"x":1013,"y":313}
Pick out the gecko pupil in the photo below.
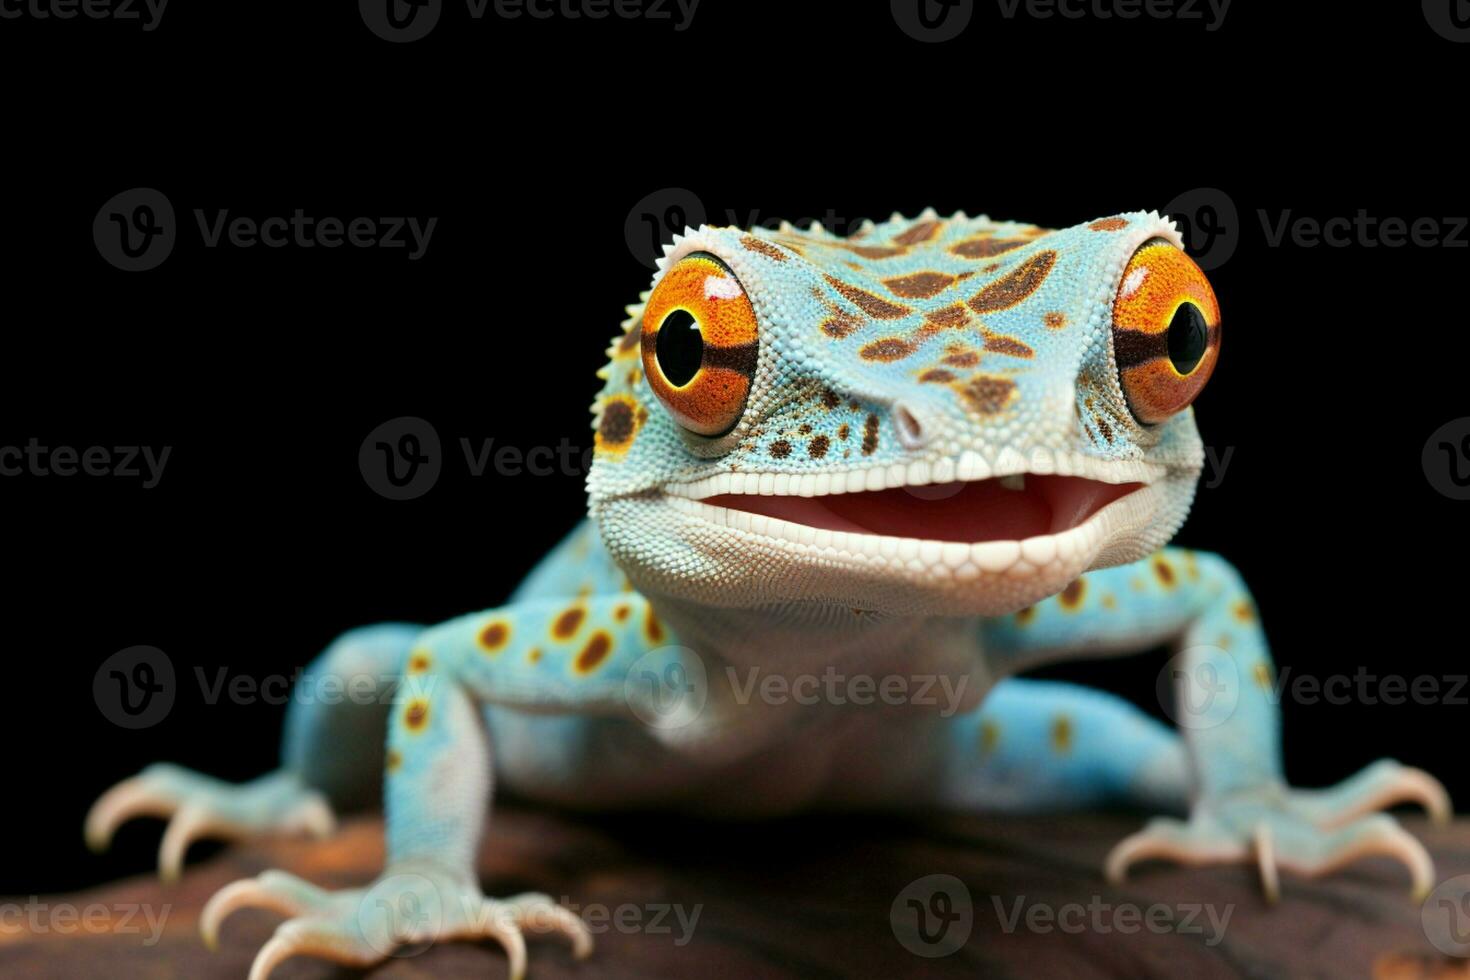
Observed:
{"x":680,"y":348}
{"x":1188,"y":337}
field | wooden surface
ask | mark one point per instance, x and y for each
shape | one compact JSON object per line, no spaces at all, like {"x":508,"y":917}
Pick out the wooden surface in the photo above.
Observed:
{"x":808,"y":898}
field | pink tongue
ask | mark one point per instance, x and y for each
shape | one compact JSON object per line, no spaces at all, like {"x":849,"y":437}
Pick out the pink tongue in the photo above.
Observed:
{"x":968,"y":512}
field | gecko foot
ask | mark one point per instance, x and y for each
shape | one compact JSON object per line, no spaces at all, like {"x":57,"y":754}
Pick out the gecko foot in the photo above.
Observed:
{"x":408,"y":906}
{"x":198,"y":806}
{"x":1308,"y":832}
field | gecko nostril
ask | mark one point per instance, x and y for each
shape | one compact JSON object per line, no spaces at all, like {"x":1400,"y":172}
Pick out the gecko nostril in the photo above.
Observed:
{"x":911,"y":432}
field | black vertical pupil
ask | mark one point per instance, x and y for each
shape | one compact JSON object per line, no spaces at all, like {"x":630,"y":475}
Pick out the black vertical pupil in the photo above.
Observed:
{"x":680,"y":348}
{"x":1189,"y":336}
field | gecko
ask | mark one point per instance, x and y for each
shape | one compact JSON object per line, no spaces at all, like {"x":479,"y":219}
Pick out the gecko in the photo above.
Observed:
{"x":937,"y":449}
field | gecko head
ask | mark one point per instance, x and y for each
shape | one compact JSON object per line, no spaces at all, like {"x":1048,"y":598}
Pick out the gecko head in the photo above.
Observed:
{"x":930,"y":416}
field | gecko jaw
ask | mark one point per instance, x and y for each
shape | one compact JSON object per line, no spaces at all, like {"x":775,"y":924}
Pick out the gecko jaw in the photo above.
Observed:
{"x":1018,"y":524}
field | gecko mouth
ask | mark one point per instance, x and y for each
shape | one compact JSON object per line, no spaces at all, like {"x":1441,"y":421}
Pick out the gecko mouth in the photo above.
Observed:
{"x":1012,"y":508}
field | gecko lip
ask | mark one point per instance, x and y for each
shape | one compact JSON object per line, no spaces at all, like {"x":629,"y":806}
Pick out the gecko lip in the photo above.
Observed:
{"x":971,"y":511}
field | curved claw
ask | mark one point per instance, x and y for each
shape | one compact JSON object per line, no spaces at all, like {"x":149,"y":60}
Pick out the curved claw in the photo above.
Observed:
{"x":537,"y":913}
{"x":130,"y":798}
{"x":197,"y":806}
{"x":1279,"y":842}
{"x":275,"y":891}
{"x":495,"y":925}
{"x":188,"y":824}
{"x":1168,"y":840}
{"x":1384,"y":784}
{"x":1265,"y":847}
{"x":297,"y":937}
{"x":1373,"y":836}
{"x":331,"y":925}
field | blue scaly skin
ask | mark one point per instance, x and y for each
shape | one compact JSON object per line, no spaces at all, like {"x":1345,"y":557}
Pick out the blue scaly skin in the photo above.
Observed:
{"x":930,"y":455}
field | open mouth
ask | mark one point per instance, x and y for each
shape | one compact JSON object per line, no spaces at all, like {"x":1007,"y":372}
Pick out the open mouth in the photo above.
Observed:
{"x":956,"y":518}
{"x":998,"y":509}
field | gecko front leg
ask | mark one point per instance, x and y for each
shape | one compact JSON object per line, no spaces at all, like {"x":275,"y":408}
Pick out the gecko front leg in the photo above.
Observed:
{"x":1242,"y":808}
{"x":563,"y":656}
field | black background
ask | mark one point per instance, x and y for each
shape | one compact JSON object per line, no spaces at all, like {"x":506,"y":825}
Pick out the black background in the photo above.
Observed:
{"x":531,"y":142}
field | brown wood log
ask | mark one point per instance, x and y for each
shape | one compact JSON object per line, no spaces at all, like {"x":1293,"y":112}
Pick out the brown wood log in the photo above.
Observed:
{"x":805,"y":898}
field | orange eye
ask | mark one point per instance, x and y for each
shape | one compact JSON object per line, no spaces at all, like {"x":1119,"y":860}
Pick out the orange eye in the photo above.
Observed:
{"x":1166,"y":331}
{"x":699,"y":344}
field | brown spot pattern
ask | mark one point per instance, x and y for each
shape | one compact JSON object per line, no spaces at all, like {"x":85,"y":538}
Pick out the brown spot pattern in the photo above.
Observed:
{"x":988,"y":395}
{"x":917,"y":233}
{"x":652,"y":628}
{"x":594,"y":653}
{"x":919,"y":285}
{"x":870,"y":434}
{"x":416,"y":715}
{"x":875,"y":306}
{"x":765,"y":248}
{"x":1164,"y":572}
{"x":950,"y":318}
{"x":1109,"y":224}
{"x":780,"y":449}
{"x":493,"y":636}
{"x":1061,"y":734}
{"x":1010,"y":346}
{"x":937,"y":375}
{"x":984,"y":247}
{"x":887,"y":349}
{"x":1055,"y":320}
{"x":565,"y":626}
{"x":1016,"y":285}
{"x":839,"y":325}
{"x":817,"y":448}
{"x":1071,"y":597}
{"x":618,"y":423}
